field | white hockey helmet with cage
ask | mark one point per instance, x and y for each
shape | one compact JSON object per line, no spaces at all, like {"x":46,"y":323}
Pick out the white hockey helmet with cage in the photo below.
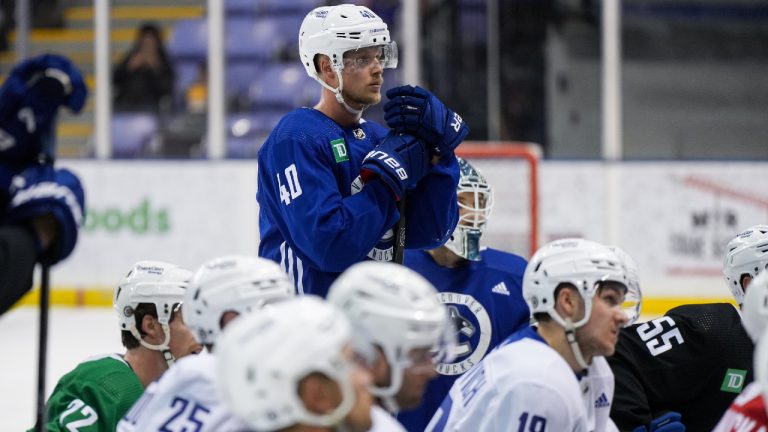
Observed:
{"x":745,"y":254}
{"x":263,"y":357}
{"x":395,"y":308}
{"x":754,"y":311}
{"x":335,"y":30}
{"x":465,"y":241}
{"x":154,"y":282}
{"x":235,"y":283}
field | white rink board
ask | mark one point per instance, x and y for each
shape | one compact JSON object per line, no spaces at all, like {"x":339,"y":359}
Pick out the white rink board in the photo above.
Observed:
{"x":184,"y":212}
{"x":673,"y":218}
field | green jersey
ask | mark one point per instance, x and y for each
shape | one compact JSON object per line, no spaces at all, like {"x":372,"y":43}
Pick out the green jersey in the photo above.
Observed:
{"x":94,"y":396}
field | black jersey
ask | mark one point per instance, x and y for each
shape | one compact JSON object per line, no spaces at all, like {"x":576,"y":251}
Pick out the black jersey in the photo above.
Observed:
{"x":694,"y":360}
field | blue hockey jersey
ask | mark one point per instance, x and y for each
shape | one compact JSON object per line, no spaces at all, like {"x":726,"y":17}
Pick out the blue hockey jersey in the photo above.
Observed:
{"x":316,"y":219}
{"x":486,"y":304}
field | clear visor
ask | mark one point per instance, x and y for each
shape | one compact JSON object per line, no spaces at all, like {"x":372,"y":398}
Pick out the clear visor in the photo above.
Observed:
{"x":362,"y":58}
{"x":627,"y":298}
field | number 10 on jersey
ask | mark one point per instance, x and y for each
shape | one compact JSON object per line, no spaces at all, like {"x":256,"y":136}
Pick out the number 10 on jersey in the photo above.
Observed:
{"x":293,"y":190}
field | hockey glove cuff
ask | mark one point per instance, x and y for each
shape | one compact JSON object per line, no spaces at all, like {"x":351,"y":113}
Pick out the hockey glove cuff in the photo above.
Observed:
{"x":400,"y":161}
{"x":669,"y":422}
{"x":41,"y":190}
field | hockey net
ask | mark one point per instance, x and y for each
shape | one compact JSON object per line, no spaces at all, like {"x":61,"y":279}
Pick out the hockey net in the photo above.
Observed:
{"x":511,"y":168}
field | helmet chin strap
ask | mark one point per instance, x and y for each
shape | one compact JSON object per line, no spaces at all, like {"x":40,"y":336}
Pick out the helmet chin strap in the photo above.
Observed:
{"x":163,"y":347}
{"x":339,"y":97}
{"x":570,"y":336}
{"x":387,"y":394}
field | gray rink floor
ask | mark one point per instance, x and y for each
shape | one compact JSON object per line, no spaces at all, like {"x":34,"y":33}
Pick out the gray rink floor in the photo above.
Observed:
{"x":74,"y":334}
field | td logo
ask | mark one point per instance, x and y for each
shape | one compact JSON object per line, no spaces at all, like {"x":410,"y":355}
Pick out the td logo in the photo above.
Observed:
{"x":141,"y":219}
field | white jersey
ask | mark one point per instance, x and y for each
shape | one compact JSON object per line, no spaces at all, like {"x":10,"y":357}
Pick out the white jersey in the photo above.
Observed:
{"x":597,"y":393}
{"x":747,"y":413}
{"x":383,"y":421}
{"x":522,"y":385}
{"x":184,"y":398}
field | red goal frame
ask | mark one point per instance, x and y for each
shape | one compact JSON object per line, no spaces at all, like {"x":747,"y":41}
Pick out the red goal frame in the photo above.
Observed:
{"x":528,"y":152}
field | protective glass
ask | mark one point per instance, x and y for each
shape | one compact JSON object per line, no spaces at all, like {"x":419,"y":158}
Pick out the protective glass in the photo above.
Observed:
{"x":363,"y":58}
{"x":631,"y":298}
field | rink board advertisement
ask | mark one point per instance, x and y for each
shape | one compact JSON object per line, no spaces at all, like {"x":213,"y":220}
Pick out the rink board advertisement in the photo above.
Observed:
{"x":673,"y":218}
{"x":182,"y":212}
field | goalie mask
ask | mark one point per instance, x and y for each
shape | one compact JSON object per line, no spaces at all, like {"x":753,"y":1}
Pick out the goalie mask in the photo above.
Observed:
{"x":745,"y":255}
{"x":263,"y":357}
{"x":157,"y":283}
{"x":338,"y":30}
{"x":585,"y":265}
{"x":233,"y":283}
{"x":395,"y":308}
{"x":475,"y":202}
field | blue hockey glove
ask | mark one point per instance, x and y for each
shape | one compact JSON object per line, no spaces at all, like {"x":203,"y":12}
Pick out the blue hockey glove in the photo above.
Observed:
{"x":669,"y":422}
{"x":29,"y":101}
{"x":417,"y":111}
{"x":41,"y":190}
{"x":400,"y":161}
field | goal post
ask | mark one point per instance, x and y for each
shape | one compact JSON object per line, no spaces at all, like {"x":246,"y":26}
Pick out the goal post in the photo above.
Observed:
{"x":511,"y":168}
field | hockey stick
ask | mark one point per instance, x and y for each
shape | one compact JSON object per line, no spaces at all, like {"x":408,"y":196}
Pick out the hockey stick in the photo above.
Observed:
{"x":399,"y":245}
{"x":42,"y":347}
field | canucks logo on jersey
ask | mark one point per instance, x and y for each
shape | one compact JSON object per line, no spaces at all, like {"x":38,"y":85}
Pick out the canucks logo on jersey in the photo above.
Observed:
{"x":473,"y":325}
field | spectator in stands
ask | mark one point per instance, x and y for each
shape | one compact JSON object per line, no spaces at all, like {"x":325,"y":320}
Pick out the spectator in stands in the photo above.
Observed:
{"x":197,"y":93}
{"x":144,"y":78}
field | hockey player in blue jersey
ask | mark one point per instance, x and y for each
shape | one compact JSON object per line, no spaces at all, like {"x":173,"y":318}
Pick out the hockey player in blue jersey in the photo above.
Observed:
{"x":552,"y":377}
{"x":329,"y":182}
{"x":482,"y":288}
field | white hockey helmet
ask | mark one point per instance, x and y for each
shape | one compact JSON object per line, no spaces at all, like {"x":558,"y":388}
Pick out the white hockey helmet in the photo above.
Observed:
{"x":334,"y":30}
{"x":633,"y":299}
{"x":153,"y":282}
{"x":397,"y":309}
{"x":465,"y":241}
{"x":263,"y":357}
{"x":581,"y":263}
{"x":746,"y":254}
{"x":754,"y":311}
{"x":236,"y":283}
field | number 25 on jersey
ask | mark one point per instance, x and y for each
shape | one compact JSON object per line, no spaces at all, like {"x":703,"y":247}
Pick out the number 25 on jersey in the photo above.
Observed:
{"x":293,"y":190}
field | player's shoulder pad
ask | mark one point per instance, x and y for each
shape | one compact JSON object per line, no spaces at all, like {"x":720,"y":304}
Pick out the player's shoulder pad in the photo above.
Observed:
{"x":504,"y":261}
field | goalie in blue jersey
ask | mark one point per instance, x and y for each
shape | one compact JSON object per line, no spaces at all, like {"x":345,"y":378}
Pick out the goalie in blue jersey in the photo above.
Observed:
{"x":329,"y":182}
{"x":482,"y":288}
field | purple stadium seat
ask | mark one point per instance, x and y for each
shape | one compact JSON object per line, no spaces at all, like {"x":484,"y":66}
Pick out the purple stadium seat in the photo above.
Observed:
{"x":247,"y":132}
{"x":240,"y":75}
{"x":271,"y":7}
{"x":189,"y":40}
{"x":264,"y":38}
{"x":131,"y":133}
{"x":283,"y":86}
